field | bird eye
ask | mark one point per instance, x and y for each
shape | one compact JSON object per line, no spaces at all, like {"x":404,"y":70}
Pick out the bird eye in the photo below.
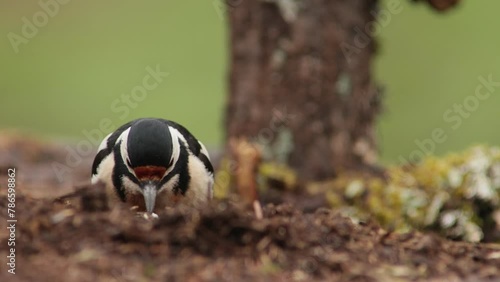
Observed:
{"x":171,"y":162}
{"x":128,"y":163}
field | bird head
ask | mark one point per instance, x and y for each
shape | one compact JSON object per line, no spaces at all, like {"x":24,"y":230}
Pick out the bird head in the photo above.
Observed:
{"x":149,"y":152}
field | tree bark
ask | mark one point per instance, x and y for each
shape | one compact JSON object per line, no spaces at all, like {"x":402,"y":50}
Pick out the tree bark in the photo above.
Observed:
{"x":300,"y":82}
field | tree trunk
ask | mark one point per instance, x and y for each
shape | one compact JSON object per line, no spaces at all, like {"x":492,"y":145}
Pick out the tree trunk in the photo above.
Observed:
{"x":300,"y":83}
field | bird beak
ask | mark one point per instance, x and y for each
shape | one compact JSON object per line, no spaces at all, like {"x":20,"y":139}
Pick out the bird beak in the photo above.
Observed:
{"x":149,"y":193}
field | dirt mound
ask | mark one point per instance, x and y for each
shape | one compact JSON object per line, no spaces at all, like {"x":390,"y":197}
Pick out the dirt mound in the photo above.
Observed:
{"x":82,"y":238}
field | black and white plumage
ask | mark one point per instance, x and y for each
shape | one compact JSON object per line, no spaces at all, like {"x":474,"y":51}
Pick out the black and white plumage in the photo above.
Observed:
{"x":154,"y":163}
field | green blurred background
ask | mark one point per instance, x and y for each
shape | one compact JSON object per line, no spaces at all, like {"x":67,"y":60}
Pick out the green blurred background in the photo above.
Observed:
{"x":65,"y":78}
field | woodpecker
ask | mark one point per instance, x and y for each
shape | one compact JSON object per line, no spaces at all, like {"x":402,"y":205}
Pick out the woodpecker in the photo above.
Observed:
{"x":154,"y":163}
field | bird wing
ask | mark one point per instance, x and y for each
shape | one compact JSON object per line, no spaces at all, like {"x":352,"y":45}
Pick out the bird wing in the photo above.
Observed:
{"x":194,"y":146}
{"x":107,"y":145}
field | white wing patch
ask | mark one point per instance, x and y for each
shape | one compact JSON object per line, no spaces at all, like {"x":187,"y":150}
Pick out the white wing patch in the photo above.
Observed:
{"x":176,"y":150}
{"x":123,"y":149}
{"x":104,"y":143}
{"x":204,"y":150}
{"x":105,"y":171}
{"x":201,"y":181}
{"x":175,"y":133}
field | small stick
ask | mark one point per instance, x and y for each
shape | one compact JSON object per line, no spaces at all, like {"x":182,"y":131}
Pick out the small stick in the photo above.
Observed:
{"x":257,"y":208}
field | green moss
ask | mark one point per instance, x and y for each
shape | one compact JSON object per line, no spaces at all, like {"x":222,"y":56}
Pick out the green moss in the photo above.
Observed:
{"x":278,"y":172}
{"x":223,"y":179}
{"x":442,"y":194}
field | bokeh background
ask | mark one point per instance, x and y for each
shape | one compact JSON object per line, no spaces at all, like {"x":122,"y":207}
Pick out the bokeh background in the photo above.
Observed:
{"x":66,"y":77}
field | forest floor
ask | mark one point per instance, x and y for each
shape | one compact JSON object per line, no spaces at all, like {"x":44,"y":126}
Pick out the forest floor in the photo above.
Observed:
{"x":85,"y":238}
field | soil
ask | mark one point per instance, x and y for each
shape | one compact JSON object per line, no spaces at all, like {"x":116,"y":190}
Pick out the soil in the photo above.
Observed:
{"x":82,"y":237}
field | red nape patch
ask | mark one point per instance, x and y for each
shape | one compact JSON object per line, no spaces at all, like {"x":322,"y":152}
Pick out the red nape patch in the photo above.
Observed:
{"x":150,"y":172}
